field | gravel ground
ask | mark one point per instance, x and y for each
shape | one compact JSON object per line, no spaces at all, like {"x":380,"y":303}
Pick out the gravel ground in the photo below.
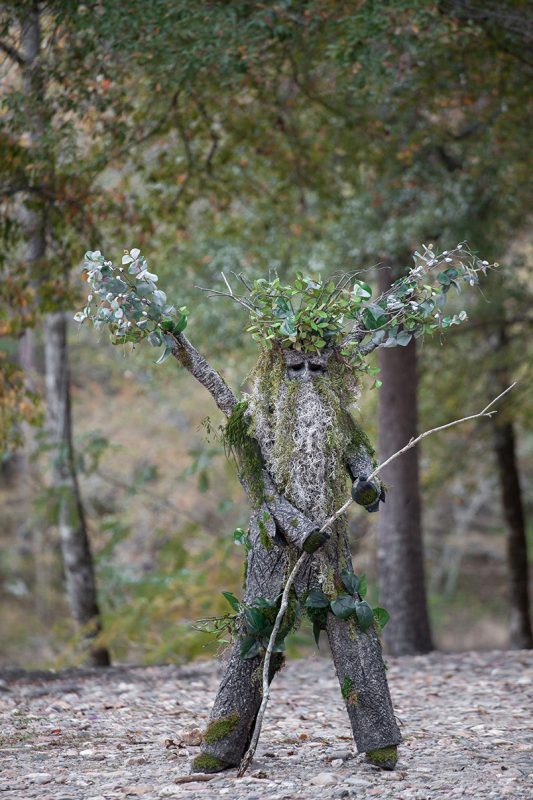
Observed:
{"x":131,"y":731}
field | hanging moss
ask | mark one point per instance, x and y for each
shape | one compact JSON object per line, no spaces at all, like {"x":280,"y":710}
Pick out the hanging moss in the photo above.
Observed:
{"x":208,"y":763}
{"x":238,"y":441}
{"x":220,"y":728}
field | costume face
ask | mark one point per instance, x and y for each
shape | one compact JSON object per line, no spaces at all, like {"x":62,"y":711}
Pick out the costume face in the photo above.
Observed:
{"x":297,"y":418}
{"x":305,"y":367}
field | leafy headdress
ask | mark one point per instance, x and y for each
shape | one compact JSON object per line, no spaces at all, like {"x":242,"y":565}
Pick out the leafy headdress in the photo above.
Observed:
{"x":308,"y":316}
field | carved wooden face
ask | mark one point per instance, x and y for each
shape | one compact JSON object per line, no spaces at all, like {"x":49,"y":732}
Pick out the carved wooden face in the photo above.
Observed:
{"x":305,"y":366}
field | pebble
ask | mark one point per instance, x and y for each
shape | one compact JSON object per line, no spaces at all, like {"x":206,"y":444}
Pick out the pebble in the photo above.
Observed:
{"x":324,"y":779}
{"x":464,"y":719}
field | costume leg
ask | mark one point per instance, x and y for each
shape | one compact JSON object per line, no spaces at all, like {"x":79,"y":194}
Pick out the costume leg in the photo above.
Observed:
{"x":239,"y":696}
{"x":361,"y":672}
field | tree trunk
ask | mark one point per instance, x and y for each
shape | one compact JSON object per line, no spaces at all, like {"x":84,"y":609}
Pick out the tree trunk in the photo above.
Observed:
{"x":76,"y":550}
{"x":400,"y":547}
{"x":521,"y":636}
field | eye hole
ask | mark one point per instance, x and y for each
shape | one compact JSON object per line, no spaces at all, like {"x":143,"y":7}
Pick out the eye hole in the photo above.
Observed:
{"x":297,"y":367}
{"x":316,"y":368}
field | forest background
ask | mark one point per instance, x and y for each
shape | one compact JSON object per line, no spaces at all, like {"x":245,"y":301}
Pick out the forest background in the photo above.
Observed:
{"x":255,"y":137}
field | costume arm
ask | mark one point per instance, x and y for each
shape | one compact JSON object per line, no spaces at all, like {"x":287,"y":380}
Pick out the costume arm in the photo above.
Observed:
{"x":298,"y":529}
{"x":191,"y":359}
{"x":361,"y":462}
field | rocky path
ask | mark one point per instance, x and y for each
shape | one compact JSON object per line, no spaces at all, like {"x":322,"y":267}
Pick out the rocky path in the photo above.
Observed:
{"x":130,"y":732}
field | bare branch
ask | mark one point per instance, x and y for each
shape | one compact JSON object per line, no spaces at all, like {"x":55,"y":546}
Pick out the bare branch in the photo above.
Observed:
{"x":248,"y":756}
{"x":13,"y":53}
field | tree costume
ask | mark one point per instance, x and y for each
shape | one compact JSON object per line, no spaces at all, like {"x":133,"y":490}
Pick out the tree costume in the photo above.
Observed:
{"x":308,"y":447}
{"x":297,"y":447}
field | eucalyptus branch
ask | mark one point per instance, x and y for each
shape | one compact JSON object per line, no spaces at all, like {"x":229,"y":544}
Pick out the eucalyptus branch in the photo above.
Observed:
{"x":248,"y":756}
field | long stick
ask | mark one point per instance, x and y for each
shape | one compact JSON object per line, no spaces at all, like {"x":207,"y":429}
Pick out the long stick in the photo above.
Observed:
{"x":248,"y":756}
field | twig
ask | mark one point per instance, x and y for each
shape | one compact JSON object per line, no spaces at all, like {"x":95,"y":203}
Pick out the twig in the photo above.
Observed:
{"x":196,"y":777}
{"x":248,"y":756}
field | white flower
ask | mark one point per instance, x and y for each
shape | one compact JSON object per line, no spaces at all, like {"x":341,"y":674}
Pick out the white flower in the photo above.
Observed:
{"x":79,"y":316}
{"x":135,"y":253}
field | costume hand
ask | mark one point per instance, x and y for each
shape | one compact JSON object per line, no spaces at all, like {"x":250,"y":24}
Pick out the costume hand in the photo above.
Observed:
{"x":368,"y":493}
{"x":315,"y":540}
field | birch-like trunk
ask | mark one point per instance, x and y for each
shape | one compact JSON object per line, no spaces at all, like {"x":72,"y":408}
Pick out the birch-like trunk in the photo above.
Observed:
{"x":400,"y":548}
{"x":75,"y":546}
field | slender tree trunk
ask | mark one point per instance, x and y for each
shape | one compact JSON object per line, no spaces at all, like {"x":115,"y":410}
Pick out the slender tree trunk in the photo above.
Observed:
{"x":521,"y":636}
{"x":400,"y":547}
{"x":77,"y":557}
{"x":75,"y":546}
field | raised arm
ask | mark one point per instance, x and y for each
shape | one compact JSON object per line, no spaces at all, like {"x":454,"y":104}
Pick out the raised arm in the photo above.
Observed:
{"x":189,"y":357}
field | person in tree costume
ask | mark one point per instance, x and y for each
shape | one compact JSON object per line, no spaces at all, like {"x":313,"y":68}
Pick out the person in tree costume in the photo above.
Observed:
{"x":303,"y":447}
{"x":298,"y":450}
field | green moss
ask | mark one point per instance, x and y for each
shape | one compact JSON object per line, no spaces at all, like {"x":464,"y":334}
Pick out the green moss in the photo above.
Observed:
{"x":220,"y":728}
{"x":313,"y":542}
{"x":208,"y":763}
{"x":328,"y":586}
{"x":264,"y":538}
{"x":384,"y":756}
{"x":349,"y":692}
{"x":237,"y":439}
{"x":352,"y":628}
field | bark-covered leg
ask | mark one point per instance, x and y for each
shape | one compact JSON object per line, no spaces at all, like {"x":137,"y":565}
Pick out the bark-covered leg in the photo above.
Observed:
{"x":361,"y":673}
{"x":239,"y":696}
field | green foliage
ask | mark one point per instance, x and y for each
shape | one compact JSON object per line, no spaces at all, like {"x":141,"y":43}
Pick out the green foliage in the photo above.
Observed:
{"x":345,"y":606}
{"x":129,"y":304}
{"x":258,"y":621}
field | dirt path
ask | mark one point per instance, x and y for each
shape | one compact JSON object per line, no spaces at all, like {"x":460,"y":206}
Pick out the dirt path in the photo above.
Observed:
{"x":129,"y":732}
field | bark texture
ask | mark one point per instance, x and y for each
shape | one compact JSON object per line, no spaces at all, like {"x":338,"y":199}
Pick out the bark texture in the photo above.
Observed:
{"x":400,"y":547}
{"x":521,"y":636}
{"x":75,"y":546}
{"x":194,"y":361}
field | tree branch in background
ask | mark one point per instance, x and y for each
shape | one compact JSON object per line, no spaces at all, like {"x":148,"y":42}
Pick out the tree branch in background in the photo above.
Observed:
{"x":248,"y":756}
{"x":13,"y":53}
